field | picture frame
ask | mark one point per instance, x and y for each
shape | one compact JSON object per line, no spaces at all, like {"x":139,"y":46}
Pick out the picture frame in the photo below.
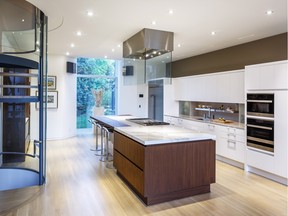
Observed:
{"x":52,"y":97}
{"x":51,"y":82}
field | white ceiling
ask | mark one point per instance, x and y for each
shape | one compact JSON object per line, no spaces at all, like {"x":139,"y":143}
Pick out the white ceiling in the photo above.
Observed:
{"x":114,"y":21}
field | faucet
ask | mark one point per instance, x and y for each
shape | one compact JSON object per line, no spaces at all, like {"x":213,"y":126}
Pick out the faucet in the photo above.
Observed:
{"x":209,"y":113}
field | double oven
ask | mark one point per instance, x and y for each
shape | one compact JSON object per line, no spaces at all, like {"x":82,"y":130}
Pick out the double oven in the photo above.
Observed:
{"x":260,"y":121}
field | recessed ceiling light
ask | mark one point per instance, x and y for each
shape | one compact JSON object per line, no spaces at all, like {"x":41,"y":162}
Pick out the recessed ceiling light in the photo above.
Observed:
{"x":113,"y":50}
{"x":79,"y":33}
{"x":119,"y":45}
{"x":105,"y":57}
{"x":67,"y":53}
{"x":23,"y":20}
{"x":89,"y":13}
{"x":213,"y":33}
{"x":269,"y":12}
{"x":179,"y":45}
{"x":153,"y":23}
{"x":171,"y":12}
{"x":72,"y":45}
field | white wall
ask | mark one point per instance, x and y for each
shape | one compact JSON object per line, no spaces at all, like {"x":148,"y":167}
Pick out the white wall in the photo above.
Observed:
{"x":128,"y":100}
{"x":61,"y":122}
{"x":171,"y":106}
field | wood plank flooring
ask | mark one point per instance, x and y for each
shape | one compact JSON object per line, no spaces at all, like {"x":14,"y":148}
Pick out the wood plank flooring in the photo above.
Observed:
{"x":79,"y":184}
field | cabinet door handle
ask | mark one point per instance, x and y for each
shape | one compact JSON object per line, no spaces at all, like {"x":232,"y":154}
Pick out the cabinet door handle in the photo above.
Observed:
{"x":231,"y":144}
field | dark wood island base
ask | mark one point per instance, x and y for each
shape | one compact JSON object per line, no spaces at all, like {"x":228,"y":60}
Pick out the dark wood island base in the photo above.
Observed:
{"x":164,"y":172}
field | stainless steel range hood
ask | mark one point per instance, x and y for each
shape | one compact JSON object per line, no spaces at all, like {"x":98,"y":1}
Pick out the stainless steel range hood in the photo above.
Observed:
{"x":148,"y":43}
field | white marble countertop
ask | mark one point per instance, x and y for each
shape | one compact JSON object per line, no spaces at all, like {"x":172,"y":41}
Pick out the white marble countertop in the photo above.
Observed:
{"x":160,"y":134}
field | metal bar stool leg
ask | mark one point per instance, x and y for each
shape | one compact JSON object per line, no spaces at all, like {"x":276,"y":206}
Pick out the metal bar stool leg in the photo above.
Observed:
{"x":93,"y":122}
{"x":97,"y":140}
{"x":109,"y":155}
{"x":104,"y":141}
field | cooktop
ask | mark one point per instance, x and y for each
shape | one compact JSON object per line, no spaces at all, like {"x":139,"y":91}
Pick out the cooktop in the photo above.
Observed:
{"x":147,"y":121}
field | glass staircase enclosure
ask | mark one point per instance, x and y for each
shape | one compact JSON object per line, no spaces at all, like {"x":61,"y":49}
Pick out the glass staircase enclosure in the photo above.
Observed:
{"x":23,"y":68}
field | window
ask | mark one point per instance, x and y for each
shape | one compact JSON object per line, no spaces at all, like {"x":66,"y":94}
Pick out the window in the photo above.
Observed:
{"x":96,"y":83}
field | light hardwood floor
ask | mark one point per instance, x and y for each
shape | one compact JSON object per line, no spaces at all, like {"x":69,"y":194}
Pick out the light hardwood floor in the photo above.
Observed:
{"x":79,"y":184}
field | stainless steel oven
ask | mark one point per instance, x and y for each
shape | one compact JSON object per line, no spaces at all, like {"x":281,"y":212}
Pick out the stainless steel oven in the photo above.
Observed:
{"x":260,"y":133}
{"x":260,"y":105}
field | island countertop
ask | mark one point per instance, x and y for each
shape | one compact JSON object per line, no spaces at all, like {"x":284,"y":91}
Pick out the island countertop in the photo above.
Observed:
{"x":153,"y":135}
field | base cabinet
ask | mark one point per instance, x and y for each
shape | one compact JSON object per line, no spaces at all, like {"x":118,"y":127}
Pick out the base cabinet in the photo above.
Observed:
{"x":159,"y":173}
{"x":230,"y":143}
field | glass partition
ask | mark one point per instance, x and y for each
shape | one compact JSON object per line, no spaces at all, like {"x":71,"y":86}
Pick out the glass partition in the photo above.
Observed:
{"x":144,"y":69}
{"x":17,"y":27}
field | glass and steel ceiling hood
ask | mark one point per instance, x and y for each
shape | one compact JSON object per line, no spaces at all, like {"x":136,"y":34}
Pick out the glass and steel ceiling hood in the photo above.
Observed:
{"x":148,"y":43}
{"x":149,"y":54}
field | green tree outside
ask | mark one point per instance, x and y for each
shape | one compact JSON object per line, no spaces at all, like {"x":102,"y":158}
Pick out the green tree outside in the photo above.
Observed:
{"x":94,"y":74}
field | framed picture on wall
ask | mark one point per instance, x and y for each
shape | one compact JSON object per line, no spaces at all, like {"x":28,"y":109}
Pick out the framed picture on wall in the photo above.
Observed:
{"x":52,"y":100}
{"x":51,"y":82}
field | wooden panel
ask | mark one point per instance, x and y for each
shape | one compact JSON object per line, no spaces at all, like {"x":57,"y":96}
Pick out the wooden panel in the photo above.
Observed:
{"x":129,"y":172}
{"x":179,"y":166}
{"x":131,"y":149}
{"x":232,"y":58}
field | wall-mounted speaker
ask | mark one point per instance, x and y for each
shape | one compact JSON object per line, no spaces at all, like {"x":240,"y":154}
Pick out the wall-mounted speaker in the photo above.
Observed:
{"x":71,"y":67}
{"x":127,"y":71}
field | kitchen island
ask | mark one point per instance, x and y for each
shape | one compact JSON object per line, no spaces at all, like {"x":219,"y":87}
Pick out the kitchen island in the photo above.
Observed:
{"x":162,"y":163}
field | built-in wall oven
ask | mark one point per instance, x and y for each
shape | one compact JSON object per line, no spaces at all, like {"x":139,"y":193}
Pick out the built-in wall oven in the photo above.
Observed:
{"x":260,"y":121}
{"x":260,"y":105}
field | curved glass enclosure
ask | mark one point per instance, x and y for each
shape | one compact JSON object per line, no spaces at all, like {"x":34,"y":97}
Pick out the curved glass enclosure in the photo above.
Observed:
{"x":23,"y":68}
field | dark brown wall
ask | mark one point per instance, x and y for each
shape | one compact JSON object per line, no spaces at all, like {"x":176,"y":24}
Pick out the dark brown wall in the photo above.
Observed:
{"x":232,"y":58}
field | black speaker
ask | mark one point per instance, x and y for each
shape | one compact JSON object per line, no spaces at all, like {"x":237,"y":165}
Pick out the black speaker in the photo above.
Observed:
{"x":71,"y":67}
{"x":127,"y":71}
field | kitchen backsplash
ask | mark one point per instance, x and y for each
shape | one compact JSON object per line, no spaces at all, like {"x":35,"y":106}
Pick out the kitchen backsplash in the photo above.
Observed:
{"x":229,"y":111}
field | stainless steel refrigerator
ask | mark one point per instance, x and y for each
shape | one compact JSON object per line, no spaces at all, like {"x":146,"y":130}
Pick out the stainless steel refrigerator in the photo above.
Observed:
{"x":155,"y":99}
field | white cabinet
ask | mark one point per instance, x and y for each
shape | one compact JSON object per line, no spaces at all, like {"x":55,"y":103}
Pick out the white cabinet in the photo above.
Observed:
{"x":271,"y":78}
{"x":182,"y":88}
{"x":230,"y":143}
{"x":276,"y":163}
{"x":236,"y":92}
{"x":266,"y":76}
{"x":217,"y":87}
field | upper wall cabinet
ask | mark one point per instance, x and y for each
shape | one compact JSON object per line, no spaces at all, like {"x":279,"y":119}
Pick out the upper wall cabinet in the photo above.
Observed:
{"x":226,"y":87}
{"x":266,"y":76}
